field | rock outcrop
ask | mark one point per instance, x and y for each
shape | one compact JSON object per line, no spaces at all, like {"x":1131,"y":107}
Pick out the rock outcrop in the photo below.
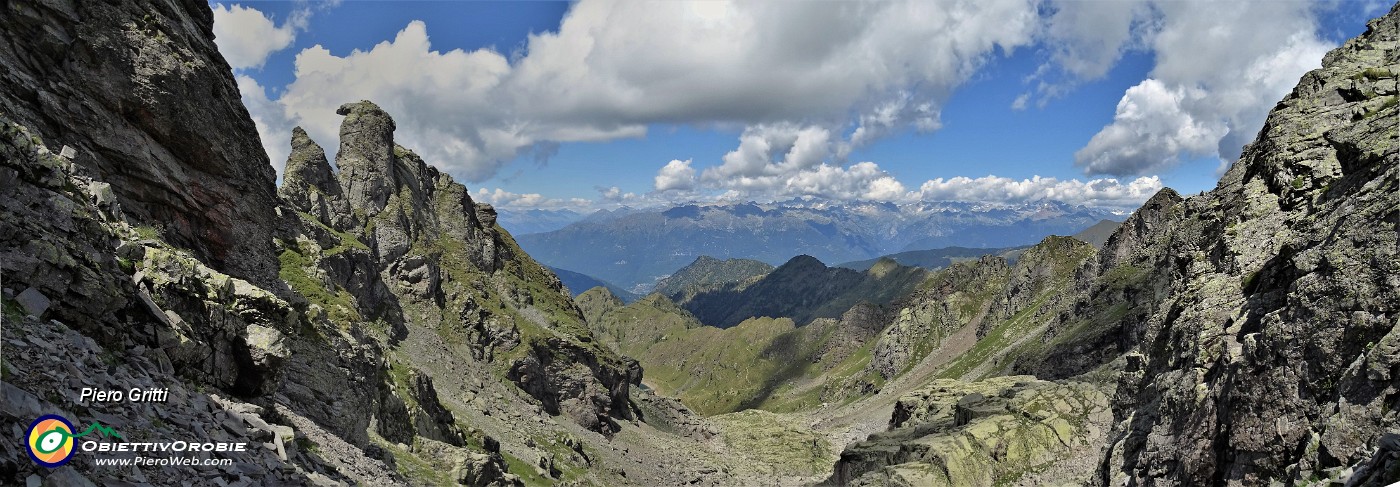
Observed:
{"x":1002,"y":431}
{"x":144,"y":316}
{"x":1273,"y":357}
{"x":151,"y":107}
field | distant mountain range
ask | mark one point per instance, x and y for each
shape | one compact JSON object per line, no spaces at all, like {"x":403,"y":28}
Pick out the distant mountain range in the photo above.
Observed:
{"x":519,"y":222}
{"x":636,"y":248}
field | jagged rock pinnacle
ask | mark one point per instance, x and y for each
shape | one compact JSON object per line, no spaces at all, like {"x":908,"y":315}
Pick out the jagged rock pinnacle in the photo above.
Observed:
{"x":307,"y":165}
{"x":366,"y":155}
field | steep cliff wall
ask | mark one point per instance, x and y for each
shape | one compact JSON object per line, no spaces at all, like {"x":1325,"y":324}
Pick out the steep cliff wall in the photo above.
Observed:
{"x":142,"y":93}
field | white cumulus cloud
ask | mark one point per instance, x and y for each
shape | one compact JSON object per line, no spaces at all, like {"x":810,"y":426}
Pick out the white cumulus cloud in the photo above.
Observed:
{"x":246,"y":36}
{"x":1152,"y":127}
{"x":1211,"y":87}
{"x":675,"y":175}
{"x":848,"y":72}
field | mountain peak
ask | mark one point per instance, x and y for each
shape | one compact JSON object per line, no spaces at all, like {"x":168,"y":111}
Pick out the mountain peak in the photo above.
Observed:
{"x":803,"y":261}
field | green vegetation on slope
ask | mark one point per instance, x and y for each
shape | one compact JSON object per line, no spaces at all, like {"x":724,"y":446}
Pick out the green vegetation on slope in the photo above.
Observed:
{"x":708,"y":274}
{"x":803,"y":289}
{"x":763,"y":363}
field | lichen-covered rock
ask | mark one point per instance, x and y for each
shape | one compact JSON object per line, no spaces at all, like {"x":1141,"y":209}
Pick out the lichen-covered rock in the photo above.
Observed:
{"x":366,"y":156}
{"x":47,"y":364}
{"x":309,"y":185}
{"x":481,"y":470}
{"x":54,"y":240}
{"x":1005,"y":430}
{"x":1257,"y":321}
{"x":1263,"y":363}
{"x":398,"y":242}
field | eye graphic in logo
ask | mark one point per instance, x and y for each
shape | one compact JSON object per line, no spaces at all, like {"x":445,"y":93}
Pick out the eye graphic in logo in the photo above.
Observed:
{"x":51,"y":440}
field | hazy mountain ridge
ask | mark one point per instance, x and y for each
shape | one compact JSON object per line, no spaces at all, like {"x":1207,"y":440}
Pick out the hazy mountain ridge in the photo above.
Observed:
{"x":934,"y":259}
{"x":578,"y":283}
{"x":536,"y":220}
{"x":708,"y":274}
{"x":803,"y":289}
{"x":1098,"y":234}
{"x":868,"y":343}
{"x":638,"y":248}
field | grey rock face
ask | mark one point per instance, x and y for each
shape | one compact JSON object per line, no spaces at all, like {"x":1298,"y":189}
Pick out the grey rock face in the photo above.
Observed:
{"x":366,"y":156}
{"x":33,"y":302}
{"x":569,"y":379}
{"x":1259,"y":318}
{"x":1263,"y":313}
{"x":1129,"y":242}
{"x":308,"y":184}
{"x":140,"y":90}
{"x":406,"y":244}
{"x":54,"y":240}
{"x":959,"y":296}
{"x":223,"y":330}
{"x":479,"y":470}
{"x":47,"y":363}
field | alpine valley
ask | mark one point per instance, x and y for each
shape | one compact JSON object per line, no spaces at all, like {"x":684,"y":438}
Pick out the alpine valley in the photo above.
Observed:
{"x":366,"y":320}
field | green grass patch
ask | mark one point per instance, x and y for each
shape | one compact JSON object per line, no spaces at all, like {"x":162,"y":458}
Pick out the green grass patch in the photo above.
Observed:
{"x":417,"y":470}
{"x":1390,"y":102}
{"x":525,"y":471}
{"x":1373,"y":74}
{"x":338,"y":304}
{"x":148,"y":232}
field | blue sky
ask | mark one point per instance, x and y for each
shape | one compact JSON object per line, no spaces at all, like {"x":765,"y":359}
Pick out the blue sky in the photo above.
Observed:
{"x":595,"y":104}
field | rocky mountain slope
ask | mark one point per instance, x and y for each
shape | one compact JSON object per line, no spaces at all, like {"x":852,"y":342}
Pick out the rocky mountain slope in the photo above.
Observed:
{"x":708,"y":274}
{"x":964,"y":320}
{"x":637,"y":248}
{"x":369,"y":325}
{"x":1274,"y":355}
{"x":134,"y":88}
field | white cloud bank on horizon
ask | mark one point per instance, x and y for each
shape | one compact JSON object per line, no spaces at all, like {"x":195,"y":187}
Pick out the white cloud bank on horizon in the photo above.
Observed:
{"x":864,"y":181}
{"x":808,"y":82}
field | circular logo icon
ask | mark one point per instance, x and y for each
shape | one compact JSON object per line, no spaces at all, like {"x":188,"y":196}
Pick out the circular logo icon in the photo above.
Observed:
{"x":50,"y":440}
